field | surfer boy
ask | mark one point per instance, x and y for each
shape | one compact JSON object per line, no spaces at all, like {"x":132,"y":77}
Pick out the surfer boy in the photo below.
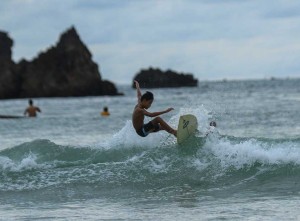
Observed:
{"x":139,"y":113}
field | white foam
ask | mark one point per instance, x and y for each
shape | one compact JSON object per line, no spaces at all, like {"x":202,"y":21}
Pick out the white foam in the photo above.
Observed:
{"x":198,"y":164}
{"x":251,"y":151}
{"x":6,"y":163}
{"x":159,"y":165}
{"x":127,"y":138}
{"x":27,"y":163}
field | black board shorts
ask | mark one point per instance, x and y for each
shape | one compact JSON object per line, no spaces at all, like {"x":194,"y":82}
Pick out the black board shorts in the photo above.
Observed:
{"x":148,"y":128}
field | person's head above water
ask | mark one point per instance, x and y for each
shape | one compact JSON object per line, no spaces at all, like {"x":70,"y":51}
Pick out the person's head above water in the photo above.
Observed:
{"x":213,"y":124}
{"x":30,"y":102}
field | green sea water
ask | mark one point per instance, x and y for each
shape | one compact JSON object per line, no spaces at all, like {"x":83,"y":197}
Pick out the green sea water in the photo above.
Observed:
{"x":70,"y":163}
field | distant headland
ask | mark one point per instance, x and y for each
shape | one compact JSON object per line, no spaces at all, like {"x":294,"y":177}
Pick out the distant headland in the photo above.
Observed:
{"x":67,"y":70}
{"x":155,"y":78}
{"x":64,"y":70}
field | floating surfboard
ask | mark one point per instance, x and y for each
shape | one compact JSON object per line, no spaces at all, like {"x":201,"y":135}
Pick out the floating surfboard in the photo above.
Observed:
{"x":10,"y":117}
{"x":186,"y":127}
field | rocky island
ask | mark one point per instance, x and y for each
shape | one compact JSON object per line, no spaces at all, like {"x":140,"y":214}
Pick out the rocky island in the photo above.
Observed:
{"x":155,"y":78}
{"x":64,"y":70}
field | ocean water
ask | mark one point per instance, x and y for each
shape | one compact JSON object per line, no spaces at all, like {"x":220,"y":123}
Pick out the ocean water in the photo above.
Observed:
{"x":70,"y":163}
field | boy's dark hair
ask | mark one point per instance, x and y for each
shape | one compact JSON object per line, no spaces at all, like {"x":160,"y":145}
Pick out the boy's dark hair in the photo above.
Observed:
{"x":30,"y":102}
{"x":147,"y":96}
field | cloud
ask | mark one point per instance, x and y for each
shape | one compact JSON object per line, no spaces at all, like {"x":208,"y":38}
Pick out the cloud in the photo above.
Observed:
{"x":208,"y":60}
{"x":283,"y":9}
{"x":213,"y":39}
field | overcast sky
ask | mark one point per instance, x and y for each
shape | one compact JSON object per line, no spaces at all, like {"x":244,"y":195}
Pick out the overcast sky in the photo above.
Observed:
{"x":212,"y":39}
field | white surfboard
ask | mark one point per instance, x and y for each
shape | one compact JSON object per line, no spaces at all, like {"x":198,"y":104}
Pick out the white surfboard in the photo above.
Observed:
{"x":186,"y":127}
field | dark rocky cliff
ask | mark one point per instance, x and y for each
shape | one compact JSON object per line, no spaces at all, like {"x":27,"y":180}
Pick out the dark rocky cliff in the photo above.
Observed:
{"x":155,"y":78}
{"x":66,"y":69}
{"x":9,"y":79}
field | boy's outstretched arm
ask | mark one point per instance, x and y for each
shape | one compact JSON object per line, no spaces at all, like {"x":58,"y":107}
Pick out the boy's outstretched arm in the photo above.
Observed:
{"x":154,"y":114}
{"x":138,"y":91}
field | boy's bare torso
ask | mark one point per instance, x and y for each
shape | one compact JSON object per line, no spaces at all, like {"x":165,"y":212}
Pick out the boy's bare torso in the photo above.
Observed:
{"x":138,"y":118}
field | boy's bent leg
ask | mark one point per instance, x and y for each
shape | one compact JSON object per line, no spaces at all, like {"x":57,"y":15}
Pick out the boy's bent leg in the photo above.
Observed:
{"x":164,"y":125}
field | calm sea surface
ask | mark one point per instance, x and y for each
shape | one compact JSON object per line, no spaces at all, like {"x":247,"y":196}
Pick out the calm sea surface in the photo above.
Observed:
{"x":70,"y":163}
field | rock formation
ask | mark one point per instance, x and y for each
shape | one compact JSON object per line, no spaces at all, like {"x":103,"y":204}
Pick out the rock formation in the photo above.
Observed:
{"x":65,"y":69}
{"x":9,"y":80}
{"x":155,"y":78}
